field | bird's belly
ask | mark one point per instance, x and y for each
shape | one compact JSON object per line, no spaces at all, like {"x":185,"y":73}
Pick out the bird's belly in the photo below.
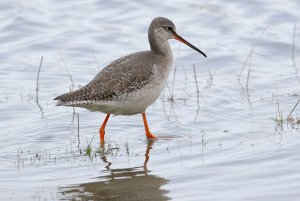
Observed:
{"x":128,"y":104}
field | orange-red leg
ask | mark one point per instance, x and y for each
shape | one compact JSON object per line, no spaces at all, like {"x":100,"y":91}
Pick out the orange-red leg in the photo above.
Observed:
{"x":102,"y":129}
{"x":148,"y":133}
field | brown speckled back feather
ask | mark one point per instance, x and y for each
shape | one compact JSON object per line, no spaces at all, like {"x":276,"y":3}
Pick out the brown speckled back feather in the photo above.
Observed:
{"x":115,"y":79}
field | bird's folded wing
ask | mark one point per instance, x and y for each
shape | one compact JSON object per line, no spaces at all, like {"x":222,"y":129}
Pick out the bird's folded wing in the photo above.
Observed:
{"x":123,"y":76}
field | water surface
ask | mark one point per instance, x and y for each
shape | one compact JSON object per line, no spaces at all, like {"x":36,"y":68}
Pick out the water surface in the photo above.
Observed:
{"x":224,"y":140}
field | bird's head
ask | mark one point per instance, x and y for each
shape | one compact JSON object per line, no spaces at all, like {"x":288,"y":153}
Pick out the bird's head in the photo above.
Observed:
{"x":164,"y":29}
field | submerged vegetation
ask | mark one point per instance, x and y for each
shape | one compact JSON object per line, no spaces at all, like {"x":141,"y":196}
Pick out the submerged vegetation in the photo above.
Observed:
{"x":288,"y":121}
{"x":90,"y":152}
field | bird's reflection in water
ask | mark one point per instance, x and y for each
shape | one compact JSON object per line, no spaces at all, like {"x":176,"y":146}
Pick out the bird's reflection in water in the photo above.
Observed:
{"x":120,"y":184}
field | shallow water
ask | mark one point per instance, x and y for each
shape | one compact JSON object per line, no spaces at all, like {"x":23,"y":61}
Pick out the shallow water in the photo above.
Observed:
{"x":222,"y":141}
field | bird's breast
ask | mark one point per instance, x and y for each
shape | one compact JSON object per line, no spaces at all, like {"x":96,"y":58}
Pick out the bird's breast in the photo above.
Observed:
{"x":162,"y":70}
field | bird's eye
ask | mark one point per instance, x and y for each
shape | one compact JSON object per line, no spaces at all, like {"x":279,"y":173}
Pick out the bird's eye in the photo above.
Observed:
{"x":169,"y":28}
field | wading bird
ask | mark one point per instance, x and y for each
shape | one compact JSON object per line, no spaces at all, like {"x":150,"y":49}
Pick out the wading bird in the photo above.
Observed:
{"x":131,"y":83}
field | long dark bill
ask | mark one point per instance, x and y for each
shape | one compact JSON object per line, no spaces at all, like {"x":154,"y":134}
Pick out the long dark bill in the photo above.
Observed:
{"x":177,"y":37}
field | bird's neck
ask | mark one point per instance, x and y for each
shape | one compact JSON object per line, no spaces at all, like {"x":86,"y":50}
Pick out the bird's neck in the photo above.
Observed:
{"x":160,"y":46}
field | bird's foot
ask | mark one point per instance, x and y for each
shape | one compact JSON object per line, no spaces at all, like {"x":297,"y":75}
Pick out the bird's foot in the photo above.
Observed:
{"x":151,"y":135}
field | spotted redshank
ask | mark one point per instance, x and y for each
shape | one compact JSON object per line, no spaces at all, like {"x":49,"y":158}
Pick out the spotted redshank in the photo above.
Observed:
{"x":130,"y":84}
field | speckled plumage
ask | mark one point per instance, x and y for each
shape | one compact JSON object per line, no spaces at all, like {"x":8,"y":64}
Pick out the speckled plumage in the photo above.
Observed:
{"x":130,"y":84}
